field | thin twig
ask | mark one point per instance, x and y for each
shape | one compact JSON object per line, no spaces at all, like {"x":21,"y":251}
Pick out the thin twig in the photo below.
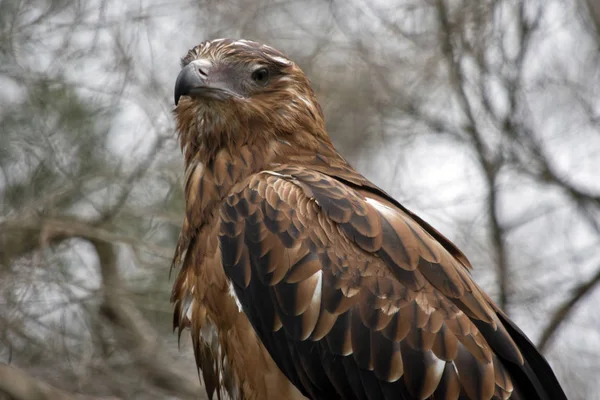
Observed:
{"x":17,"y":385}
{"x":135,"y":333}
{"x":490,"y":165}
{"x":563,"y":312}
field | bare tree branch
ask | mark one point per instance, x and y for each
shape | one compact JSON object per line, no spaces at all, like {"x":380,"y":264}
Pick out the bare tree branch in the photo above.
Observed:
{"x":36,"y":231}
{"x":489,"y":163}
{"x":134,"y":332}
{"x":131,"y":329}
{"x":561,"y":315}
{"x":17,"y":385}
{"x":593,"y":9}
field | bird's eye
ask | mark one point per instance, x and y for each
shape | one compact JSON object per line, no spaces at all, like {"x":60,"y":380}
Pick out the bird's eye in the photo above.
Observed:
{"x":261,"y":76}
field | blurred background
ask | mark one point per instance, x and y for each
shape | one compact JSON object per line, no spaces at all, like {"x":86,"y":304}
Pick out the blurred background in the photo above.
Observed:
{"x":481,"y":116}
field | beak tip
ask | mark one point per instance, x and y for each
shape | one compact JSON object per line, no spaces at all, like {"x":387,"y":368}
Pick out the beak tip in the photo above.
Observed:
{"x":192,"y":81}
{"x":187,"y":79}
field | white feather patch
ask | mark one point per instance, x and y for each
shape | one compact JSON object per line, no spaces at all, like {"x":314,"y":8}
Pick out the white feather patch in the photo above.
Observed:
{"x":438,"y":369}
{"x":188,"y":307}
{"x":232,"y":294}
{"x":280,"y":59}
{"x":278,"y":174}
{"x":316,"y":299}
{"x":242,"y":42}
{"x":306,"y":102}
{"x":382,"y":208}
{"x":210,"y":336}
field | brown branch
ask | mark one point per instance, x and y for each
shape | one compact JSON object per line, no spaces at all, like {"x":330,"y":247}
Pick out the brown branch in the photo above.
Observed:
{"x":588,"y":203}
{"x":17,"y":385}
{"x":564,"y":311}
{"x":134,"y":333}
{"x":131,"y":329}
{"x":23,"y":235}
{"x":592,"y":9}
{"x":490,"y":165}
{"x":499,"y":245}
{"x":136,"y":175}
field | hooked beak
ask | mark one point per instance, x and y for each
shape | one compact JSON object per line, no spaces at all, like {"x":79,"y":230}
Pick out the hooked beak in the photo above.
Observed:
{"x":196,"y":80}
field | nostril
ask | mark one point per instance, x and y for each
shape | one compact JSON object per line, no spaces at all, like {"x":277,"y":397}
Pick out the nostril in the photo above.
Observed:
{"x":202,"y":72}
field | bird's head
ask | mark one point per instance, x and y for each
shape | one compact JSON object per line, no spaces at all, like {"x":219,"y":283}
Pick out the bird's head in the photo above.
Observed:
{"x":234,"y":92}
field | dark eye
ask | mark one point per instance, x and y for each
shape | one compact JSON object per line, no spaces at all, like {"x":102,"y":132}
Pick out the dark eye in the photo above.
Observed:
{"x":261,"y":76}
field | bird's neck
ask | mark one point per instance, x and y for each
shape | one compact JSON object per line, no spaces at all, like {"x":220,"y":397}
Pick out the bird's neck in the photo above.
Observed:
{"x":212,"y":177}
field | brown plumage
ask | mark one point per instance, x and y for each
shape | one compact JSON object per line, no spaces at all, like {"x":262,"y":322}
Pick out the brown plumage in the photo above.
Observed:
{"x":299,"y":278}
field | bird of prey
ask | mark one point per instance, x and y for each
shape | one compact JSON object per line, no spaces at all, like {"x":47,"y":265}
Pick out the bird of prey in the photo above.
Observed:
{"x":299,"y":278}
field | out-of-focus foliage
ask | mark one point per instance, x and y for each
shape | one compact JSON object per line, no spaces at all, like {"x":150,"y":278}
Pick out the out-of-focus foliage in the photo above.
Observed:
{"x":481,"y":116}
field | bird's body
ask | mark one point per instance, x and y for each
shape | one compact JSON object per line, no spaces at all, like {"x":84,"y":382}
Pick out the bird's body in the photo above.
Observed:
{"x":300,"y":278}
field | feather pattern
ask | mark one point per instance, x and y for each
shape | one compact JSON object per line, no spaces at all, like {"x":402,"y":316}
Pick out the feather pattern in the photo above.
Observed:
{"x":344,"y":293}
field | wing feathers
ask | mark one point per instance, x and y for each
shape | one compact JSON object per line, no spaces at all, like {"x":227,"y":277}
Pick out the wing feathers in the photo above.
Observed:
{"x":353,"y":297}
{"x":445,"y":345}
{"x":339,"y":339}
{"x":477,"y":378}
{"x":386,"y":356}
{"x":307,"y":265}
{"x":370,"y":309}
{"x":361,"y":342}
{"x":423,"y":371}
{"x":449,"y":385}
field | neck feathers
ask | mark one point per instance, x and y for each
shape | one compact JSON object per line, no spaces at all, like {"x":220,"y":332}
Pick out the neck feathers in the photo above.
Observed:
{"x":224,"y":142}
